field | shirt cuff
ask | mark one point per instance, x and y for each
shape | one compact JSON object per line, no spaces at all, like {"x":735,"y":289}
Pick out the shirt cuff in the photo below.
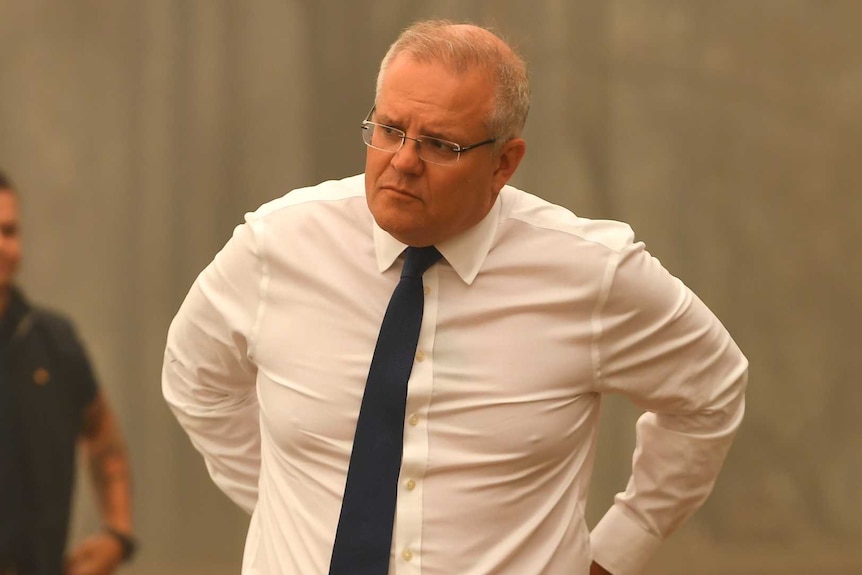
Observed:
{"x":620,"y":545}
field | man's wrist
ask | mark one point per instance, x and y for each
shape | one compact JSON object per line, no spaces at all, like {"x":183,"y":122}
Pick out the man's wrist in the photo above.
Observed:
{"x":128,"y":544}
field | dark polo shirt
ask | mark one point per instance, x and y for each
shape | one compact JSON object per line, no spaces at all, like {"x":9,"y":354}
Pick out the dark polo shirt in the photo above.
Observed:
{"x":46,"y":382}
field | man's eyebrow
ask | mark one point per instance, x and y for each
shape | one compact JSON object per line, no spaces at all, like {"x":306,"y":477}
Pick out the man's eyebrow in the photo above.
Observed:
{"x":440,"y":133}
{"x":382,"y":118}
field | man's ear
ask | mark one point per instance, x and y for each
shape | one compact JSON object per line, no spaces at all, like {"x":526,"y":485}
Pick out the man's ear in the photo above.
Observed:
{"x":510,"y":158}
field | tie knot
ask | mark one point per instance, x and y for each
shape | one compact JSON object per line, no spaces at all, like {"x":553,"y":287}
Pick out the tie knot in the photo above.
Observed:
{"x":417,"y":260}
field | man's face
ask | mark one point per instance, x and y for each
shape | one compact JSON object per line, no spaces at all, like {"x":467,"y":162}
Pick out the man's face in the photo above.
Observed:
{"x":10,"y":238}
{"x":421,"y":203}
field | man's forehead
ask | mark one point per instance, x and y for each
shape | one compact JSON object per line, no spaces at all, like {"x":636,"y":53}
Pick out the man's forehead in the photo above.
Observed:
{"x":429,"y":116}
{"x":428,"y":110}
{"x":8,"y":206}
{"x":8,"y":196}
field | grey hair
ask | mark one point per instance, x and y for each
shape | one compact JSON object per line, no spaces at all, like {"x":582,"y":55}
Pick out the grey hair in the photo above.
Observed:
{"x":463,"y":48}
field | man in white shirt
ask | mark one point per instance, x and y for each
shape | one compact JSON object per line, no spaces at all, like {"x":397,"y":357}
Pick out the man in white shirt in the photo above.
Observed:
{"x":529,"y":317}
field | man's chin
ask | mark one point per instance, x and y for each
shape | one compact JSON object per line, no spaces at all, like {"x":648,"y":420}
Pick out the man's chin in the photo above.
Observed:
{"x":402,"y":229}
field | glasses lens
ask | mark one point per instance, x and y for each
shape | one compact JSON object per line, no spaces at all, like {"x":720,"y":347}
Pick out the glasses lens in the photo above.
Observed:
{"x":367,"y":133}
{"x":438,"y":151}
{"x":382,"y":137}
{"x":389,"y":139}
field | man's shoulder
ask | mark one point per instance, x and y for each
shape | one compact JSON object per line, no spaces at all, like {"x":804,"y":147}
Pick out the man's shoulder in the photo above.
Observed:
{"x":323,"y":193}
{"x":49,"y":320}
{"x":45,"y":326}
{"x":38,"y":315}
{"x":547,"y":216}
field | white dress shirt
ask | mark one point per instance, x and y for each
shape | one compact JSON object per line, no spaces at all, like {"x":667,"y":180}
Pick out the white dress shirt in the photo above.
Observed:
{"x":533,"y":314}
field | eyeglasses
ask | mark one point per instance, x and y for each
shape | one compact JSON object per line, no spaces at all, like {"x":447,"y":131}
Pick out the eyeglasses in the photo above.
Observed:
{"x":433,"y":150}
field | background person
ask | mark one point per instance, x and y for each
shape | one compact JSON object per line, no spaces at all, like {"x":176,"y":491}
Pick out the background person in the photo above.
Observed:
{"x":49,"y":403}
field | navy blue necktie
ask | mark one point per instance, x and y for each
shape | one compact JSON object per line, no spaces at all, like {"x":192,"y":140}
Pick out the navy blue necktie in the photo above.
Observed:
{"x":364,"y":535}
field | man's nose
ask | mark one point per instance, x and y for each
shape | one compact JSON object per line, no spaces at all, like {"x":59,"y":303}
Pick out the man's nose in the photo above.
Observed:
{"x":407,"y":160}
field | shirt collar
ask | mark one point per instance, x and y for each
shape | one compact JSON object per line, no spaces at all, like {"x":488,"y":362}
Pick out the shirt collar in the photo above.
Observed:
{"x":465,"y":252}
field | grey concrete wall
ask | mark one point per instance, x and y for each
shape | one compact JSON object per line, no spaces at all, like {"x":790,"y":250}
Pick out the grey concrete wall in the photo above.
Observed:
{"x":729,"y":135}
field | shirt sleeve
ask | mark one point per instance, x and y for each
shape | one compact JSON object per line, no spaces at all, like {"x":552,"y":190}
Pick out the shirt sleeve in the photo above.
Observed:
{"x":208,"y":375}
{"x":661,"y":347}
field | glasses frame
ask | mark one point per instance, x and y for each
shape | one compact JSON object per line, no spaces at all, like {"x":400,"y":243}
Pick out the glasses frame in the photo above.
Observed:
{"x":456,"y":147}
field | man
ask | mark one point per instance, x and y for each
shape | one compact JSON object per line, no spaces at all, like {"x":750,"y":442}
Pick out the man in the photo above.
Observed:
{"x":529,"y":316}
{"x":49,"y":401}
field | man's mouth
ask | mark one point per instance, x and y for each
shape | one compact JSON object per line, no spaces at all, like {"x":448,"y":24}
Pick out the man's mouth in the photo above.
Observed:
{"x":401,"y":191}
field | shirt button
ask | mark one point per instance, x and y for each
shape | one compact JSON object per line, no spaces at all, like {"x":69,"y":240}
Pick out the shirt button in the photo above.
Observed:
{"x":414,"y":419}
{"x":41,"y":376}
{"x":407,"y":554}
{"x":427,"y":290}
{"x":420,"y":356}
{"x":411,"y":485}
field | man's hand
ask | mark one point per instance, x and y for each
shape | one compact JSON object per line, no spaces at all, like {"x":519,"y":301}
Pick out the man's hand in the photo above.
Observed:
{"x":596,"y":569}
{"x":99,"y":554}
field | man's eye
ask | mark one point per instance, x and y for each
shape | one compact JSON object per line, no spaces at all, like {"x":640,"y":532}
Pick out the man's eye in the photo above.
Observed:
{"x":438,"y":145}
{"x":391,"y":132}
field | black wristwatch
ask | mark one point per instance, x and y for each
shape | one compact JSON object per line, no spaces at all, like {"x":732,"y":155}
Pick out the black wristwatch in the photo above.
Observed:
{"x":127,"y":542}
